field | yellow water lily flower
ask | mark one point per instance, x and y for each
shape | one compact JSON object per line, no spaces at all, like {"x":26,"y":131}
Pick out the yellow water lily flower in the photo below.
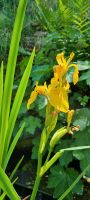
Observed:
{"x":63,"y":66}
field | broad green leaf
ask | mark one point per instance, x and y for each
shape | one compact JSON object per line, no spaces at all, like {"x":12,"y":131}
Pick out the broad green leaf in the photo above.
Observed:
{"x":66,"y":158}
{"x":36,"y":142}
{"x":82,"y":118}
{"x":74,"y":183}
{"x":7,"y":186}
{"x":79,"y":155}
{"x":85,"y":76}
{"x":61,"y":179}
{"x":85,"y":161}
{"x":39,"y":72}
{"x":83,"y":138}
{"x":31,"y":124}
{"x":17,"y":102}
{"x":88,"y":81}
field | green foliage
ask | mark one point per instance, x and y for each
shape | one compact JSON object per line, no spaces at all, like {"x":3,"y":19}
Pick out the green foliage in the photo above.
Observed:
{"x":83,"y":138}
{"x":60,"y":179}
{"x":31,"y":124}
{"x":83,"y":100}
{"x":7,"y":16}
{"x":82,"y":118}
{"x":6,"y":186}
{"x":86,"y":76}
{"x":67,"y":24}
{"x":68,"y":17}
{"x":35,"y":148}
{"x":8,"y":111}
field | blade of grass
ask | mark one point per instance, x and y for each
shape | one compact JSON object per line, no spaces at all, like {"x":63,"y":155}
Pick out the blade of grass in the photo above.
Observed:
{"x":74,"y":183}
{"x":17,"y":102}
{"x":10,"y":71}
{"x":7,"y":186}
{"x":16,"y":168}
{"x":4,"y":194}
{"x":1,"y":90}
{"x":12,"y":146}
{"x":12,"y":175}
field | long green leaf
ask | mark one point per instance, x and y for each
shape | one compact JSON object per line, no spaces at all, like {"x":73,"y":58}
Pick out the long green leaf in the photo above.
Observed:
{"x":74,"y":183}
{"x":16,"y":168}
{"x":76,"y":148}
{"x":12,"y":175}
{"x":7,"y":186}
{"x":17,"y":102}
{"x":4,"y":194}
{"x":12,"y":146}
{"x":10,"y":71}
{"x":1,"y":90}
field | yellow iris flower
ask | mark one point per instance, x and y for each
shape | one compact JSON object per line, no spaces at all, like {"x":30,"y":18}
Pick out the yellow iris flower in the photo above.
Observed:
{"x":63,"y":66}
{"x":57,"y":91}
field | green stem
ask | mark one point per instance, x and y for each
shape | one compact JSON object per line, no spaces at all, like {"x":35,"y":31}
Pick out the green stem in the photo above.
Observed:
{"x":51,"y":162}
{"x":48,"y":156}
{"x":38,"y":178}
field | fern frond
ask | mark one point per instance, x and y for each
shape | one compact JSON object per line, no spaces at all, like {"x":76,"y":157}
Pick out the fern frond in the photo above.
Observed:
{"x":80,"y":18}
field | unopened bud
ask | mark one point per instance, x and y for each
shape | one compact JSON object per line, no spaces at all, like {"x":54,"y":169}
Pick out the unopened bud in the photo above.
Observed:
{"x":56,"y":137}
{"x":42,"y":141}
{"x":69,"y":117}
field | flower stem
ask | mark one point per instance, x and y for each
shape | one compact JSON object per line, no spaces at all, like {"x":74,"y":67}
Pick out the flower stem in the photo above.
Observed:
{"x":48,"y":156}
{"x":38,"y":178}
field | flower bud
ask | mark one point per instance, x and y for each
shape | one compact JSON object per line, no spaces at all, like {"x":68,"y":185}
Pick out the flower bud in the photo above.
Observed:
{"x":42,"y":141}
{"x":56,"y":137}
{"x":69,"y":117}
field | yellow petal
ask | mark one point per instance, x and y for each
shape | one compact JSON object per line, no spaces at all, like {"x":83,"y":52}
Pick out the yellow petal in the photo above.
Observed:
{"x":41,"y":89}
{"x":32,"y":98}
{"x":38,"y":90}
{"x":71,"y":57}
{"x":58,"y":98}
{"x":75,"y":74}
{"x":69,"y":117}
{"x":54,"y":80}
{"x":60,"y":59}
{"x":63,"y":100}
